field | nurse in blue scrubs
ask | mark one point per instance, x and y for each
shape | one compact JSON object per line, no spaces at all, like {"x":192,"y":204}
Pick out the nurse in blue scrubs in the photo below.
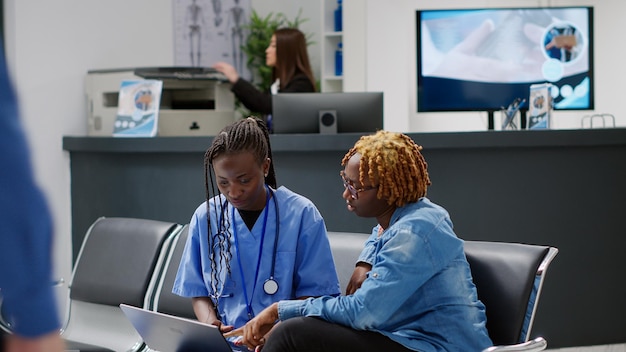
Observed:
{"x":27,"y":298}
{"x":253,"y":244}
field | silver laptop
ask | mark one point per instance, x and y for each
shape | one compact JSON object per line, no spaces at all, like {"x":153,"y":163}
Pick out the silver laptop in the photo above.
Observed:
{"x":168,"y":333}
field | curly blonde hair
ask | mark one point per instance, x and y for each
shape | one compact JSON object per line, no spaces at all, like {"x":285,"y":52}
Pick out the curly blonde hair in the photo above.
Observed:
{"x":394,"y":163}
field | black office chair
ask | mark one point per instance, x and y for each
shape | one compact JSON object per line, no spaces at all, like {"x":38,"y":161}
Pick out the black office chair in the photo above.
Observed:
{"x":164,"y":300}
{"x":118,"y":262}
{"x":509,"y":278}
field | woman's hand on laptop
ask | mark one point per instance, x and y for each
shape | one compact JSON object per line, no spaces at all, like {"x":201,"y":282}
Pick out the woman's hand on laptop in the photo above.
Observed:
{"x":233,"y":333}
{"x":223,"y":328}
{"x":205,"y":312}
{"x":255,"y":331}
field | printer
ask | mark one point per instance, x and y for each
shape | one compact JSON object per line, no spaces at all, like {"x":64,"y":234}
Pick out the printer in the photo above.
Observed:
{"x":195,"y":101}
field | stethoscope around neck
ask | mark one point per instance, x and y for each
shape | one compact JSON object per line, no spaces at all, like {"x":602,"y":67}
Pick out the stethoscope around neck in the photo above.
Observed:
{"x":270,"y":286}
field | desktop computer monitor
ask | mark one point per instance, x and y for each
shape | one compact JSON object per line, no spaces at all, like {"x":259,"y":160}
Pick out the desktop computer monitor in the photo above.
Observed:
{"x":349,"y":112}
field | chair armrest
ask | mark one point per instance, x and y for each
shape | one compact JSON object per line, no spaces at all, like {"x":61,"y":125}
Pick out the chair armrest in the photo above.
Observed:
{"x":538,"y":344}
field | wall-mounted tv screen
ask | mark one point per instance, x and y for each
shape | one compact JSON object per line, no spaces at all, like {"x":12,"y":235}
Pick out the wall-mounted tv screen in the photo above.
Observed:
{"x":483,"y":59}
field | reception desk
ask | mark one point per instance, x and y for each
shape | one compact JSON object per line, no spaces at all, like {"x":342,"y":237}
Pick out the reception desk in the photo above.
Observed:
{"x":564,"y":188}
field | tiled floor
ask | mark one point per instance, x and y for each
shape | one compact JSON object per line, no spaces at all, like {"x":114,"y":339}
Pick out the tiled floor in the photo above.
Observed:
{"x":603,"y":348}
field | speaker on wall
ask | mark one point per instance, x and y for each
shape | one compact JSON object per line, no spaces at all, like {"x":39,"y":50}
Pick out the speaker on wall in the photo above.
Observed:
{"x":328,"y":121}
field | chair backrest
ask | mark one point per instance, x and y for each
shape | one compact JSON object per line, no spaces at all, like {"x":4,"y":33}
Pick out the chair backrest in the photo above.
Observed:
{"x":165,"y":301}
{"x":116,"y":264}
{"x":508,"y":278}
{"x":346,"y":247}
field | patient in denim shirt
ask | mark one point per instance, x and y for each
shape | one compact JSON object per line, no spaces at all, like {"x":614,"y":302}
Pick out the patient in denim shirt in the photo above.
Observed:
{"x":412,"y":288}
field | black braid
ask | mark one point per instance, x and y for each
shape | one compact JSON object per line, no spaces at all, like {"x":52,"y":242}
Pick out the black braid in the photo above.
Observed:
{"x":249,"y":135}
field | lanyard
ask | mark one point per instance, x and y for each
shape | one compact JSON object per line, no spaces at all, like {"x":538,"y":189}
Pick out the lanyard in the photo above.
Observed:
{"x":258,"y":263}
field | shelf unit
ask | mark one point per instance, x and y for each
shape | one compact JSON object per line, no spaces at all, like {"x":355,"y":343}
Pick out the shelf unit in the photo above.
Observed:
{"x":353,"y":38}
{"x":330,"y":38}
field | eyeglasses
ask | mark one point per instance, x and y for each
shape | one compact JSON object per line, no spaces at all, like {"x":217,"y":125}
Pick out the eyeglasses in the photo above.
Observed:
{"x":354,"y":192}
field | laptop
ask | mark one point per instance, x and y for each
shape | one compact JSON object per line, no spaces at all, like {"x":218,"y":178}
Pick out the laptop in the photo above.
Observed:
{"x":169,"y":333}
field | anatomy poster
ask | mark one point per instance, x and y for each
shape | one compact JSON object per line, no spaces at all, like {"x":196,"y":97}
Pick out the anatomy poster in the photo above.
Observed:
{"x":207,"y":31}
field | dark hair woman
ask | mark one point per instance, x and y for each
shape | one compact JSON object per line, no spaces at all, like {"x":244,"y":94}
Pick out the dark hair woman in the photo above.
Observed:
{"x":288,"y":57}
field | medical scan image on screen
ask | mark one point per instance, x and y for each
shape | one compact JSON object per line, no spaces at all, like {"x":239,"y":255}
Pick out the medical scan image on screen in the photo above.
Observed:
{"x":483,"y":59}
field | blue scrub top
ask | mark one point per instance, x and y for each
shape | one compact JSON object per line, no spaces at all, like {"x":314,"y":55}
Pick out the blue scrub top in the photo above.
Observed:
{"x":304,"y":264}
{"x":26,"y":229}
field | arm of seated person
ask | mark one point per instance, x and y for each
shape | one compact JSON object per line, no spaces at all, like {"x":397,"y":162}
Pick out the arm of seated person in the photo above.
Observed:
{"x":358,"y":276}
{"x":51,"y":342}
{"x":205,"y":312}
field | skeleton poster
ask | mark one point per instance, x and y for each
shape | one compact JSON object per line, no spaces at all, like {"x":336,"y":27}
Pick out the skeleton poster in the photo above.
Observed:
{"x":208,"y":31}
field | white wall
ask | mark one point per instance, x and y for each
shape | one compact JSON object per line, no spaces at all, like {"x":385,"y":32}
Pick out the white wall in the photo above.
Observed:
{"x":50,"y":47}
{"x":52,"y":44}
{"x":391,"y":57}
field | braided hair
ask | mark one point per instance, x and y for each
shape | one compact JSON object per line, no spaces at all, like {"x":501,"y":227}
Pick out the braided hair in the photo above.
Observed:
{"x":246,"y":135}
{"x":392,"y":161}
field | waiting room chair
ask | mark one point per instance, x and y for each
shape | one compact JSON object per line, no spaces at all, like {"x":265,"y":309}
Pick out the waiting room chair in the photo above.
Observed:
{"x":346,"y":247}
{"x":116,"y":264}
{"x":509,"y":278}
{"x":164,"y":300}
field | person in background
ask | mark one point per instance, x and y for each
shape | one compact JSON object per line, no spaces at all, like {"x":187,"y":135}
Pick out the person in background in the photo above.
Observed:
{"x":291,"y":71}
{"x":253,"y":244}
{"x":26,"y":290}
{"x":412,"y":289}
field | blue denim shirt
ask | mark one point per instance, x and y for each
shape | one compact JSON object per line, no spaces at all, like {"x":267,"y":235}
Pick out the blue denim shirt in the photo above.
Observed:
{"x":419,"y":292}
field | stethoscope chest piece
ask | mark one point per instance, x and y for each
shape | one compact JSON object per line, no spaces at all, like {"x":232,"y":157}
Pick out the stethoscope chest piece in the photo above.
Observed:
{"x":270,"y":286}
